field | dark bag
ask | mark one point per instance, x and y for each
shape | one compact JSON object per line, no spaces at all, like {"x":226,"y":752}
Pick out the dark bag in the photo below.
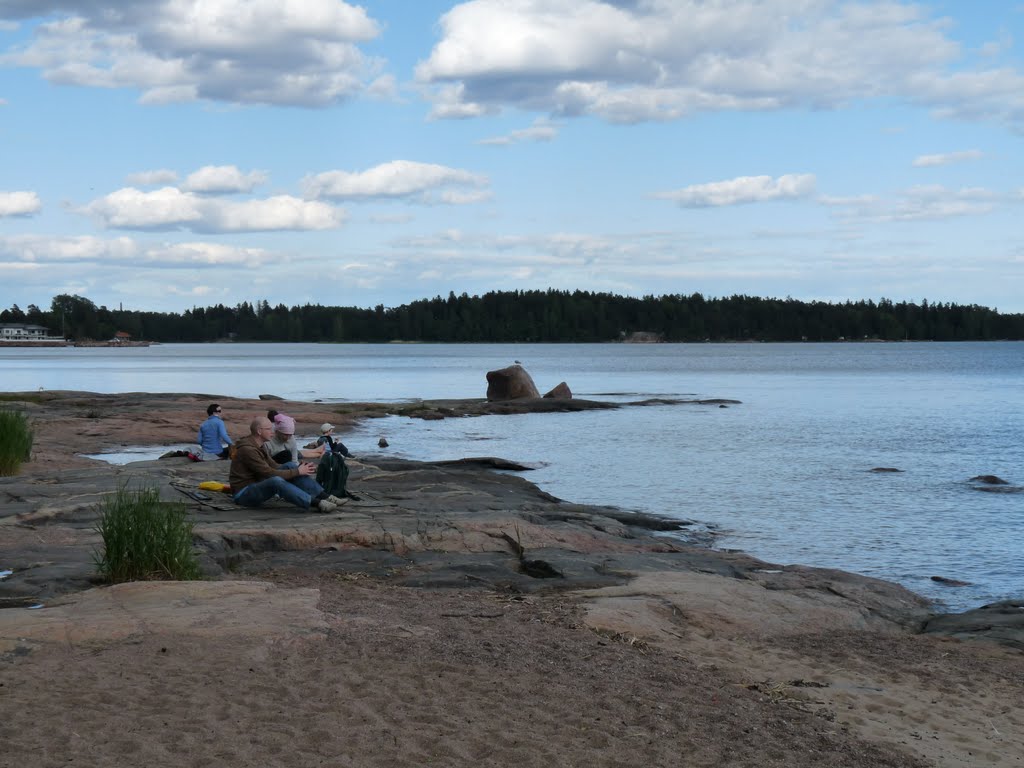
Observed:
{"x":332,"y":474}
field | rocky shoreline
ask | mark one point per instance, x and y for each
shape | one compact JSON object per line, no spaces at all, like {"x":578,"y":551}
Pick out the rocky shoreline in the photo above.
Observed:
{"x":445,"y":528}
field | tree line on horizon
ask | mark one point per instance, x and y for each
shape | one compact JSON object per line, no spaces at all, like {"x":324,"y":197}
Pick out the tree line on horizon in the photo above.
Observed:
{"x":536,"y":316}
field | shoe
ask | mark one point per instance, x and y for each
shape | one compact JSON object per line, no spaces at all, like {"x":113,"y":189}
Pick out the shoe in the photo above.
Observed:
{"x":337,"y":501}
{"x":325,"y":506}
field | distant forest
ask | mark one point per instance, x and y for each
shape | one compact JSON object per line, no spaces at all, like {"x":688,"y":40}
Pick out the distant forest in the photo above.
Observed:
{"x":536,"y":316}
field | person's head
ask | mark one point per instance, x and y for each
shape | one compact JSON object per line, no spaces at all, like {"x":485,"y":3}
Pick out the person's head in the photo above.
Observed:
{"x":261,"y":428}
{"x":284,"y":425}
{"x":326,"y":428}
{"x":271,"y":414}
{"x":212,"y":409}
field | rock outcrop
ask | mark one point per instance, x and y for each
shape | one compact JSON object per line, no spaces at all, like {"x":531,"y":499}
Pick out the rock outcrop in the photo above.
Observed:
{"x":414,"y":524}
{"x":1001,"y":622}
{"x":512,"y":383}
{"x":988,"y":480}
{"x":560,"y":392}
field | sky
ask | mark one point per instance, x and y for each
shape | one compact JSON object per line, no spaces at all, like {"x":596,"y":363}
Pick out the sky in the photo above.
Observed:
{"x":165,"y":154}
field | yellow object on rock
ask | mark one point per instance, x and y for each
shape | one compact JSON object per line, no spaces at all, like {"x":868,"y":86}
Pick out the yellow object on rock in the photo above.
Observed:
{"x":213,"y":485}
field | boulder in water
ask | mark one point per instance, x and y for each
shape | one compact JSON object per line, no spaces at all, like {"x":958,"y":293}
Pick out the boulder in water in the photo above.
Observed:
{"x":988,"y":480}
{"x":512,"y":383}
{"x":560,"y":392}
{"x":950,"y":582}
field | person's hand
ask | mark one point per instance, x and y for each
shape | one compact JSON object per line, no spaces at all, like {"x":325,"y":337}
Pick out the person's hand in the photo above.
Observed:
{"x":307,"y":469}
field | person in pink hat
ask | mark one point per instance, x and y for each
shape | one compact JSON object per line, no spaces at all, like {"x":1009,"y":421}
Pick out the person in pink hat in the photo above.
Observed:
{"x":281,"y":446}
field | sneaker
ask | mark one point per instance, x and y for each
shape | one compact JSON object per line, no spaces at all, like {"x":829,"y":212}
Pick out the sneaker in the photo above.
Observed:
{"x":325,"y":506}
{"x":337,"y":501}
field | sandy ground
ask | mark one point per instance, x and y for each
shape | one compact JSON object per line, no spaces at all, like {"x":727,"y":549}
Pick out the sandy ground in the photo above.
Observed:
{"x":392,"y":676}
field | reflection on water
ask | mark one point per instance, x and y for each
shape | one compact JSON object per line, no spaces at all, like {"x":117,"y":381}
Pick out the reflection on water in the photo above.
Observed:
{"x":138,"y":453}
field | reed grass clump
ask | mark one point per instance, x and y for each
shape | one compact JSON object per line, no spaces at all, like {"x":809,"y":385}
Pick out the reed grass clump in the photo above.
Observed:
{"x":144,"y":538}
{"x":15,"y":441}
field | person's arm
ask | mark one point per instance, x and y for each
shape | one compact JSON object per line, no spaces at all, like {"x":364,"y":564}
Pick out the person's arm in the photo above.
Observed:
{"x":223,"y":433}
{"x":259,"y":464}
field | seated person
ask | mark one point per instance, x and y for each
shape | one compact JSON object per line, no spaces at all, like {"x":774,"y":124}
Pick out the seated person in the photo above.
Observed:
{"x":213,"y":439}
{"x":256,"y":478}
{"x":334,"y":445}
{"x":281,"y":446}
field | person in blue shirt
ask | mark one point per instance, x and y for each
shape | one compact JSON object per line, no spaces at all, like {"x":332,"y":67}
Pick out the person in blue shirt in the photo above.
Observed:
{"x":213,"y":436}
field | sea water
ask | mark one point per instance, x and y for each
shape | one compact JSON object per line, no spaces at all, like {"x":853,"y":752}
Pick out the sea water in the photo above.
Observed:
{"x":786,"y":474}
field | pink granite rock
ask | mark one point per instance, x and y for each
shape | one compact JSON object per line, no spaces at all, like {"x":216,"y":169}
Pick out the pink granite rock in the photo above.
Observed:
{"x":560,"y":392}
{"x":512,"y":383}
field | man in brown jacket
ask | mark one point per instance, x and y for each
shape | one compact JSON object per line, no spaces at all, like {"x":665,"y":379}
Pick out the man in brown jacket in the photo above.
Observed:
{"x":256,"y":478}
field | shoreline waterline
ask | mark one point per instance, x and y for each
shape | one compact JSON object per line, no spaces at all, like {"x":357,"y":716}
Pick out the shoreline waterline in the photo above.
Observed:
{"x":785,"y":475}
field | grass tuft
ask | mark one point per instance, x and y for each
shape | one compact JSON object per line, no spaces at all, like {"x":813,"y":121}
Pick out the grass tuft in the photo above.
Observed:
{"x":144,"y":538}
{"x":15,"y":441}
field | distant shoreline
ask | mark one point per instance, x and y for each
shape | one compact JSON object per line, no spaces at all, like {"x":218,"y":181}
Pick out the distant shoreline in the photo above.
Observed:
{"x":401,"y":342}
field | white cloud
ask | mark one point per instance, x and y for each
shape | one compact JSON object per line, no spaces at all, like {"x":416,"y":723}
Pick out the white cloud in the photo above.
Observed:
{"x":935,"y":202}
{"x":294,"y":52}
{"x":629,"y":61}
{"x":930,"y":202}
{"x":281,"y":212}
{"x":559,"y":249}
{"x":541,"y":130}
{"x":451,"y":103}
{"x":458,"y":197}
{"x":205,"y":254}
{"x":744,"y":189}
{"x":19,"y":204}
{"x":223,"y":178}
{"x":397,"y":179}
{"x":40,"y":249}
{"x":43,"y":250}
{"x":171,"y":209}
{"x":1002,"y":44}
{"x":384,"y":87}
{"x":152,"y":178}
{"x":851,"y":200}
{"x":927,"y":161}
{"x":131,"y":208}
{"x":195,"y":291}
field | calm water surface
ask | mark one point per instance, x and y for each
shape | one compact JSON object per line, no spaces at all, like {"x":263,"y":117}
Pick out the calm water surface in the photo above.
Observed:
{"x":785,"y":475}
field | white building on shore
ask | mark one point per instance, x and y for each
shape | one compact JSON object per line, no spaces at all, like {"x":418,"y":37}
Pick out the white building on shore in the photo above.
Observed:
{"x":26,"y":332}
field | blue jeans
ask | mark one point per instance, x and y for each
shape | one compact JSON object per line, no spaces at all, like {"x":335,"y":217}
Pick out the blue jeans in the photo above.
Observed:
{"x":299,"y":491}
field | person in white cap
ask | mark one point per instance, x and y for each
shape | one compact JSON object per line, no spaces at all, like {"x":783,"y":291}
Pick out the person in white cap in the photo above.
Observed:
{"x":334,"y":445}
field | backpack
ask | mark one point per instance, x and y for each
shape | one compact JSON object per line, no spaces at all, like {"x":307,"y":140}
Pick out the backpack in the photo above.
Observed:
{"x":332,"y":474}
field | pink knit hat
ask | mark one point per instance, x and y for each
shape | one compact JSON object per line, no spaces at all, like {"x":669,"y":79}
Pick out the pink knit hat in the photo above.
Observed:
{"x":284,"y":424}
